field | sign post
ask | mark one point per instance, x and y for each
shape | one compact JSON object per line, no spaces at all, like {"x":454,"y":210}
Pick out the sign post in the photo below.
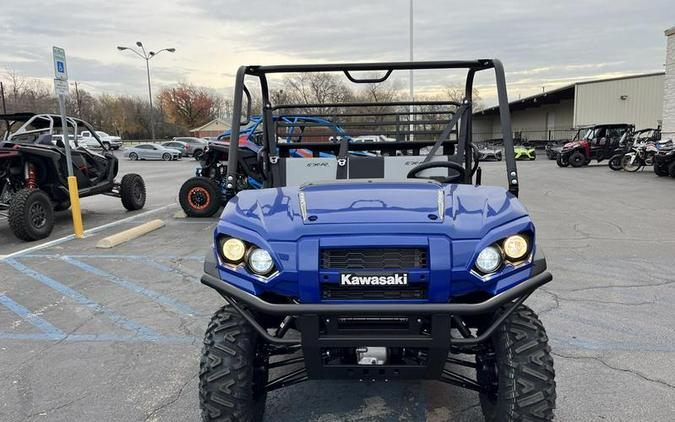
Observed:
{"x":61,"y":89}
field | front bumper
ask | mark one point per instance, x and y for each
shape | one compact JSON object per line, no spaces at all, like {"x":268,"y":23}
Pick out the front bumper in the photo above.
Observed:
{"x":426,"y":327}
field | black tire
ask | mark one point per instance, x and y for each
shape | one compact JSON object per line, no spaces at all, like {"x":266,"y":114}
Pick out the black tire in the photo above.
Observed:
{"x":232,"y":370}
{"x":166,"y":156}
{"x":132,"y":192}
{"x":671,"y":169}
{"x":625,"y":163}
{"x":577,"y":159}
{"x":197,"y":155}
{"x":199,"y":197}
{"x":534,"y":157}
{"x":615,"y":162}
{"x":562,"y":160}
{"x":62,"y":206}
{"x":133,"y":156}
{"x":517,"y":363}
{"x":31,"y":214}
{"x":660,"y":169}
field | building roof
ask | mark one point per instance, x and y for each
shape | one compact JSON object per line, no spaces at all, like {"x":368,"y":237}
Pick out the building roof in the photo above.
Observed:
{"x":555,"y":96}
{"x":670,"y":31}
{"x":216,"y":123}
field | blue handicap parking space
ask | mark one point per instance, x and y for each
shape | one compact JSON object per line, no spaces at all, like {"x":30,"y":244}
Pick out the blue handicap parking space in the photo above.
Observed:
{"x":38,"y":327}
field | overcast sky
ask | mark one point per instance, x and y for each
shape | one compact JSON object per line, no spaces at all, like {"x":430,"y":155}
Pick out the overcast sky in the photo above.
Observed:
{"x":541,"y":42}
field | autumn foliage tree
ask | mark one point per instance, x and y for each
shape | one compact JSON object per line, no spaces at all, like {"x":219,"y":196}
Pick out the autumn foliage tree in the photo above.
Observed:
{"x":189,"y":106}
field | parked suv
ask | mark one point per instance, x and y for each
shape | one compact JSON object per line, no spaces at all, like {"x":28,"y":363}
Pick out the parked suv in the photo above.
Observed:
{"x":109,"y":141}
{"x":196,"y":146}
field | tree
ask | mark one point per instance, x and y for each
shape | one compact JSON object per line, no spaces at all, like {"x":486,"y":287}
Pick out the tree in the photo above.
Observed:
{"x":188,"y":105}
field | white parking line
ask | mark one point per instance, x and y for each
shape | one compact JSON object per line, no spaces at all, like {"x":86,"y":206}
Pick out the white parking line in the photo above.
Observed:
{"x":87,"y":233}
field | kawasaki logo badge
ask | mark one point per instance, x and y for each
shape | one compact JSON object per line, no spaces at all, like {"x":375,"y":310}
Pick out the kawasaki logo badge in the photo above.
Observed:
{"x":395,"y":279}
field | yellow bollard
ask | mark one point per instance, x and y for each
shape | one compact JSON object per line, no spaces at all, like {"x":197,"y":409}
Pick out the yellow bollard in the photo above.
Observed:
{"x":75,"y":207}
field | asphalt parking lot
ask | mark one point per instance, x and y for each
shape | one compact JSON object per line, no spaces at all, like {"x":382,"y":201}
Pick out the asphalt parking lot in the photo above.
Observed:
{"x":89,"y":334}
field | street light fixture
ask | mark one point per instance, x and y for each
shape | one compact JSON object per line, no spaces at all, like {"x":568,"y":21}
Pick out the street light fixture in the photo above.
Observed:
{"x":147,"y":56}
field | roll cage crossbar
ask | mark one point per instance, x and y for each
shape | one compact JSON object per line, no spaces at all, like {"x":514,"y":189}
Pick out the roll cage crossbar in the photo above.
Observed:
{"x":448,"y":127}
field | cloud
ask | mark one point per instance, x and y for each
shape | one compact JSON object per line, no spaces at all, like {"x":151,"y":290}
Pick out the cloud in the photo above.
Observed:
{"x":542,"y":43}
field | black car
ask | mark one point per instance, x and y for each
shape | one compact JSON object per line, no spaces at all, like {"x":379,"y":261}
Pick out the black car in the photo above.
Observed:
{"x":33,"y":175}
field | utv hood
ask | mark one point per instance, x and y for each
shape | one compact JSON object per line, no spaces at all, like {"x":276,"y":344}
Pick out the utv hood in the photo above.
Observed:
{"x":339,"y":208}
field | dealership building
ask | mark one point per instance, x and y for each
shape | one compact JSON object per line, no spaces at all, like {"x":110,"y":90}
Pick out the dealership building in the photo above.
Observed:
{"x":551,"y":115}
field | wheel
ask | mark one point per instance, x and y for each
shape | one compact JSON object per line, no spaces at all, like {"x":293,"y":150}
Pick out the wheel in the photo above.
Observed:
{"x":630,"y":163}
{"x":199,"y":197}
{"x":577,"y":159}
{"x":615,"y":162}
{"x":660,"y":169}
{"x":197,"y":155}
{"x":671,"y":169}
{"x":62,"y":206}
{"x":534,"y":157}
{"x":31,"y":214}
{"x":562,"y":161}
{"x":132,"y":192}
{"x":516,"y":366}
{"x":133,"y":156}
{"x":233,"y":370}
{"x":166,"y":156}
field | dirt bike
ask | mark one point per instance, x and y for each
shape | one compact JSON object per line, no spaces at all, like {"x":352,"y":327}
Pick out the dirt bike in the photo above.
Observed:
{"x":642,"y":155}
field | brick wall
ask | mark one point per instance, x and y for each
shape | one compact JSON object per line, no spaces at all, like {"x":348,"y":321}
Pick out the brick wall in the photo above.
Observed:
{"x":669,"y":87}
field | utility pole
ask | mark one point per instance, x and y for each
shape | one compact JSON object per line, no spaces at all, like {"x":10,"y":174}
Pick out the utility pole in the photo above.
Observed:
{"x":79,"y":102}
{"x":412,"y":86}
{"x":2,"y":93}
{"x":4,"y":106}
{"x":147,"y":56}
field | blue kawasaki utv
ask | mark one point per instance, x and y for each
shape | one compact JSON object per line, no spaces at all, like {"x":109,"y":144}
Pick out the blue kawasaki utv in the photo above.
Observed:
{"x":394,"y":266}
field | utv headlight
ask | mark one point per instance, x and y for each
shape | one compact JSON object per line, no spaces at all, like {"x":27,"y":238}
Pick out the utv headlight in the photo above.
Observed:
{"x":233,"y":249}
{"x":259,"y":261}
{"x":515,"y":247}
{"x":489,"y":260}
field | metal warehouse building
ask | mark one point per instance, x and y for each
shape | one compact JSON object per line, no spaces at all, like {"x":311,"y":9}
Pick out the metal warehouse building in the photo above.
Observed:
{"x":551,"y":115}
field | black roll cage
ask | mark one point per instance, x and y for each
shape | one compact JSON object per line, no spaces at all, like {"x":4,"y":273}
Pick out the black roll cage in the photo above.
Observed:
{"x":462,"y":116}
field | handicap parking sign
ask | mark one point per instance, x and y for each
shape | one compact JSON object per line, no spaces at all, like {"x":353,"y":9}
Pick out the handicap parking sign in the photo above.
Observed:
{"x":60,"y":68}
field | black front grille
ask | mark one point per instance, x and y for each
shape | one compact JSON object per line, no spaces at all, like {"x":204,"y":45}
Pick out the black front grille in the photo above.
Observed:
{"x":374,"y":258}
{"x":336,"y":292}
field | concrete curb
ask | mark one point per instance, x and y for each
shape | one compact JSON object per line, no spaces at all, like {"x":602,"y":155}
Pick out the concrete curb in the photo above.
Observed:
{"x":130,"y":234}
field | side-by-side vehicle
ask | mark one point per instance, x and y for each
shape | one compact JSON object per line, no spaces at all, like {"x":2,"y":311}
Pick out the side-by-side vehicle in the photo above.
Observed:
{"x":384,"y":267}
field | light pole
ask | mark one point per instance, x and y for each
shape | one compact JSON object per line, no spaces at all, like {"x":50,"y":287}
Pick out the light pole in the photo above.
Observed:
{"x":147,"y":56}
{"x":412,"y":87}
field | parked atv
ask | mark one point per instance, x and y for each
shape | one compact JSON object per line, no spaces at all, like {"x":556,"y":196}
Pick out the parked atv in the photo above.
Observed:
{"x":33,"y":174}
{"x":599,"y":142}
{"x":376,"y":268}
{"x":664,"y":162}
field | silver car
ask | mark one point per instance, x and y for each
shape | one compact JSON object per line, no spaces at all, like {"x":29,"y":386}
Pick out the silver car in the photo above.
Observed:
{"x":151,"y":152}
{"x":180,"y":146}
